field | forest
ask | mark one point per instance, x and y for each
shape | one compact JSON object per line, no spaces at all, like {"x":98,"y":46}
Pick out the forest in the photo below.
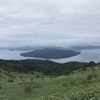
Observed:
{"x":45,"y":66}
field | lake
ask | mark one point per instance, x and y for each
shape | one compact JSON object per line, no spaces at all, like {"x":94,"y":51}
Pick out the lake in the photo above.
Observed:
{"x":85,"y":56}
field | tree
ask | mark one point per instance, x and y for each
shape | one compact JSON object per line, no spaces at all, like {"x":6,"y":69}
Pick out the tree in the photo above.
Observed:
{"x":91,"y":63}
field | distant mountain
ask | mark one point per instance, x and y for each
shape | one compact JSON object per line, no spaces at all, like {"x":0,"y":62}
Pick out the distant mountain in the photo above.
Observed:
{"x":84,"y":47}
{"x":5,"y":48}
{"x":23,"y":48}
{"x":27,"y":48}
{"x":49,"y":53}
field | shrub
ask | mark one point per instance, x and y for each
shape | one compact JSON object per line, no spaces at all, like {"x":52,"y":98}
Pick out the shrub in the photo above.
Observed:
{"x":10,"y":80}
{"x":0,"y":86}
{"x":28,"y":90}
{"x":96,"y":76}
{"x":32,"y":79}
{"x":73,"y":83}
{"x":65,"y":84}
{"x":88,"y":94}
{"x":89,"y":77}
{"x":84,"y":81}
{"x":37,"y":76}
{"x":0,"y":70}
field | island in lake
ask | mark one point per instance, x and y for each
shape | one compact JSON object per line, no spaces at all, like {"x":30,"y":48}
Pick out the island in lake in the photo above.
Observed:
{"x":49,"y":53}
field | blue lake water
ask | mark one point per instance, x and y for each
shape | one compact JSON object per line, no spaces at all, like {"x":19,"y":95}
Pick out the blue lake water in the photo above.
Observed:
{"x":85,"y":56}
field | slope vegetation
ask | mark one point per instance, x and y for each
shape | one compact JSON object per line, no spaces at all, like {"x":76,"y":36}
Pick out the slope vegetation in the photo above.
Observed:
{"x":81,"y":84}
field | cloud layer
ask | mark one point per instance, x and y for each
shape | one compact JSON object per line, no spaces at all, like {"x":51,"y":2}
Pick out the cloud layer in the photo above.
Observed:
{"x":49,"y":22}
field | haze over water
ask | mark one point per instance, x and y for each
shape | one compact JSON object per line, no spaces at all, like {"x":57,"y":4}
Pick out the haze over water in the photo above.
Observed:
{"x":85,"y":56}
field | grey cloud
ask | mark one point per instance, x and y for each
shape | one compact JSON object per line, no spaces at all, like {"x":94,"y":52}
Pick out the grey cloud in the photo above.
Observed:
{"x":49,"y":22}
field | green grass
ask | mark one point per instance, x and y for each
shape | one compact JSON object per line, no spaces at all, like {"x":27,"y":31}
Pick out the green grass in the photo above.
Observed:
{"x":72,"y":87}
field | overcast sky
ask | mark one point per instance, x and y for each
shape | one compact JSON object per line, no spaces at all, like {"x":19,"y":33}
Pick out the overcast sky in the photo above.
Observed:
{"x":49,"y":22}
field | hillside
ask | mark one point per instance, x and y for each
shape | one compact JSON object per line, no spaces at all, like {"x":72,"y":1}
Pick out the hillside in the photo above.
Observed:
{"x":50,"y":53}
{"x":81,"y":84}
{"x":45,"y":66}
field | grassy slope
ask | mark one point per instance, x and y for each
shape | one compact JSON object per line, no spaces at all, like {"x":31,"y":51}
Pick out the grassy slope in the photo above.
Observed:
{"x":61,"y":87}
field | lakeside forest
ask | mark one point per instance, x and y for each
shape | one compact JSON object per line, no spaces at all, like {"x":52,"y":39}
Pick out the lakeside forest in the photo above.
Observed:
{"x":47,"y":80}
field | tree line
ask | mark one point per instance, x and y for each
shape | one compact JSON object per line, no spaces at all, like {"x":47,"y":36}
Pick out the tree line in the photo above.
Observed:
{"x":45,"y":66}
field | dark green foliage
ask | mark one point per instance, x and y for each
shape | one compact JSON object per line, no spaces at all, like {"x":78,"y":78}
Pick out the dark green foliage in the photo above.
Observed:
{"x":38,"y":76}
{"x":10,"y":80}
{"x":45,"y":66}
{"x":95,"y":76}
{"x":73,"y":83}
{"x":89,"y":77}
{"x":91,"y":63}
{"x":84,"y":81}
{"x":28,"y":90}
{"x":0,"y":86}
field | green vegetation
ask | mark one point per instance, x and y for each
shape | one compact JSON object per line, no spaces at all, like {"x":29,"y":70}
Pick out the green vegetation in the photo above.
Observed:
{"x":50,"y":53}
{"x":45,"y":66}
{"x":81,"y":83}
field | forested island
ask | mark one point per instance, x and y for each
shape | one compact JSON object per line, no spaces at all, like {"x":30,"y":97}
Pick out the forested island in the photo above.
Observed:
{"x":50,"y":53}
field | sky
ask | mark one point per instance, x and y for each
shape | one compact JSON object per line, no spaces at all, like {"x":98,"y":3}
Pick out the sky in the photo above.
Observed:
{"x":49,"y":22}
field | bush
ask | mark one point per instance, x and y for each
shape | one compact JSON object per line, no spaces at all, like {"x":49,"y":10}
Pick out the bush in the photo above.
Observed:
{"x":73,"y":83}
{"x":89,"y":94}
{"x":89,"y":77}
{"x":10,"y":80}
{"x":96,"y":76}
{"x":28,"y":90}
{"x":0,"y":86}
